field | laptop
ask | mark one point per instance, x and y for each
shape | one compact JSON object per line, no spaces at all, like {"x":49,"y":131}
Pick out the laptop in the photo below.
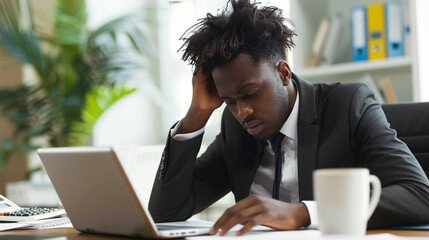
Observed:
{"x":99,"y":198}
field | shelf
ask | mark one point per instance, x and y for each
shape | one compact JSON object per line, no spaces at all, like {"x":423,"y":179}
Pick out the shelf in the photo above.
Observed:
{"x":404,"y":72}
{"x":354,"y":67}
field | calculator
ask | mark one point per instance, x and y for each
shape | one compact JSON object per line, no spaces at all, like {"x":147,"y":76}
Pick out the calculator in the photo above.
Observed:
{"x":11,"y":212}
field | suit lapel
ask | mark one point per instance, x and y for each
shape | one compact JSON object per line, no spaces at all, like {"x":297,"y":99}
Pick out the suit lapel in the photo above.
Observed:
{"x":308,"y":134}
{"x":244,"y":156}
{"x":246,"y":174}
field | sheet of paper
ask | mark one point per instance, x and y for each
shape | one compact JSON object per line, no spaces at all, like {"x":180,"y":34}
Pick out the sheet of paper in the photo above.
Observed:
{"x":8,"y":226}
{"x":63,"y":222}
{"x":267,"y":234}
{"x":264,"y":234}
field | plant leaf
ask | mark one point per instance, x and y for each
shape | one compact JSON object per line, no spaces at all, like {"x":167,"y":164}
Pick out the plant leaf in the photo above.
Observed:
{"x":70,"y":22}
{"x":97,"y":102}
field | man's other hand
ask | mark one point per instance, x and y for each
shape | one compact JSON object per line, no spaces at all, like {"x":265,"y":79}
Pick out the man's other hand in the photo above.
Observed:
{"x":256,"y":210}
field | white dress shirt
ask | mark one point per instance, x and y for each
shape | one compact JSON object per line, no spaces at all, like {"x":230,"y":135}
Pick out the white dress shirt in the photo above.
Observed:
{"x":263,"y":181}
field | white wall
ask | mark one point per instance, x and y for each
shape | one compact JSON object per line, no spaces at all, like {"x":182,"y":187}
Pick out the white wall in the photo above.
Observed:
{"x":134,"y":120}
{"x":422,"y":48}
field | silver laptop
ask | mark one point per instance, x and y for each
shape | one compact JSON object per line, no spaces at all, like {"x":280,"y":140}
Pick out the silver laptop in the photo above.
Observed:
{"x":99,"y":198}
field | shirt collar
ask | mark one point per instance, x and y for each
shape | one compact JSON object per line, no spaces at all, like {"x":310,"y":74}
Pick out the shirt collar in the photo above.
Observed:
{"x":290,"y":127}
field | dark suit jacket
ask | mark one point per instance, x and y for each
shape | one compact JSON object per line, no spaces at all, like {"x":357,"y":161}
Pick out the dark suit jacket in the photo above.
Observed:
{"x":339,"y":125}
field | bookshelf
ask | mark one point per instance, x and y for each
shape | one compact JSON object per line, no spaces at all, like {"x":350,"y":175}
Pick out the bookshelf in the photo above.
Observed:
{"x":403,"y":71}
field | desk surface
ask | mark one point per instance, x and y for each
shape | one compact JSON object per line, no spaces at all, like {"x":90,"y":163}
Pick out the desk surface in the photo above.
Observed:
{"x":72,"y":234}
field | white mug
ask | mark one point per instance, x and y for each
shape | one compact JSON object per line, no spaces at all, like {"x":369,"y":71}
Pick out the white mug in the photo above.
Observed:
{"x":343,"y":199}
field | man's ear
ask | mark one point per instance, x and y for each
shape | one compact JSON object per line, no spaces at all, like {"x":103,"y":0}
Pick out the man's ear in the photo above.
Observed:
{"x":284,"y":72}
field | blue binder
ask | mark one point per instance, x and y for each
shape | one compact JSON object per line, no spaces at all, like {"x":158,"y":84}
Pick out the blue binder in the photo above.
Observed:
{"x":358,"y":34}
{"x":394,"y":29}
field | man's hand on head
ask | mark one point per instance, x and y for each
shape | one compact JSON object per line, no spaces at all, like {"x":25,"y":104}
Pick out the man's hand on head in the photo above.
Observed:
{"x":205,"y":100}
{"x":256,"y":210}
{"x":205,"y":96}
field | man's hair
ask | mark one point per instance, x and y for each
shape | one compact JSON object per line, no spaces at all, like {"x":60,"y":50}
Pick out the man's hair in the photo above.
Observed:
{"x":260,"y":32}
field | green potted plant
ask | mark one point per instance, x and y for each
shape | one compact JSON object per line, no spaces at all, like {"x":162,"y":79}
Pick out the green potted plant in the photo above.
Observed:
{"x":79,"y":72}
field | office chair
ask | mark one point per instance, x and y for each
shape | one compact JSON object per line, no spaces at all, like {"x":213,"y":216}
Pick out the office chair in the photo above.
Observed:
{"x":411,"y":121}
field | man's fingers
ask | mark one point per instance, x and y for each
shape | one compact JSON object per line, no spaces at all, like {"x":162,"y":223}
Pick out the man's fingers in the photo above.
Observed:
{"x":247,"y":226}
{"x":229,"y":213}
{"x":238,"y":207}
{"x":224,"y":222}
{"x":234,"y":216}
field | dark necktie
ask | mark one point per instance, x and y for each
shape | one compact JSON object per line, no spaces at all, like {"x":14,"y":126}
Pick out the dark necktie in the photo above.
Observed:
{"x":276,"y":143}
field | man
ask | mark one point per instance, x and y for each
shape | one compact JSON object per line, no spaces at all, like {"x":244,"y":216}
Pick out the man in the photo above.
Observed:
{"x":239,"y":60}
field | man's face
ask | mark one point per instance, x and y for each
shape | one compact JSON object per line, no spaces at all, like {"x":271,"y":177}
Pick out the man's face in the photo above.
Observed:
{"x":255,"y":94}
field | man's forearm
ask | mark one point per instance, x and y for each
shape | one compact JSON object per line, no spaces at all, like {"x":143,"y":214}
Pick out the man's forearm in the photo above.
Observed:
{"x":401,"y":205}
{"x":174,"y":181}
{"x":194,"y":120}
